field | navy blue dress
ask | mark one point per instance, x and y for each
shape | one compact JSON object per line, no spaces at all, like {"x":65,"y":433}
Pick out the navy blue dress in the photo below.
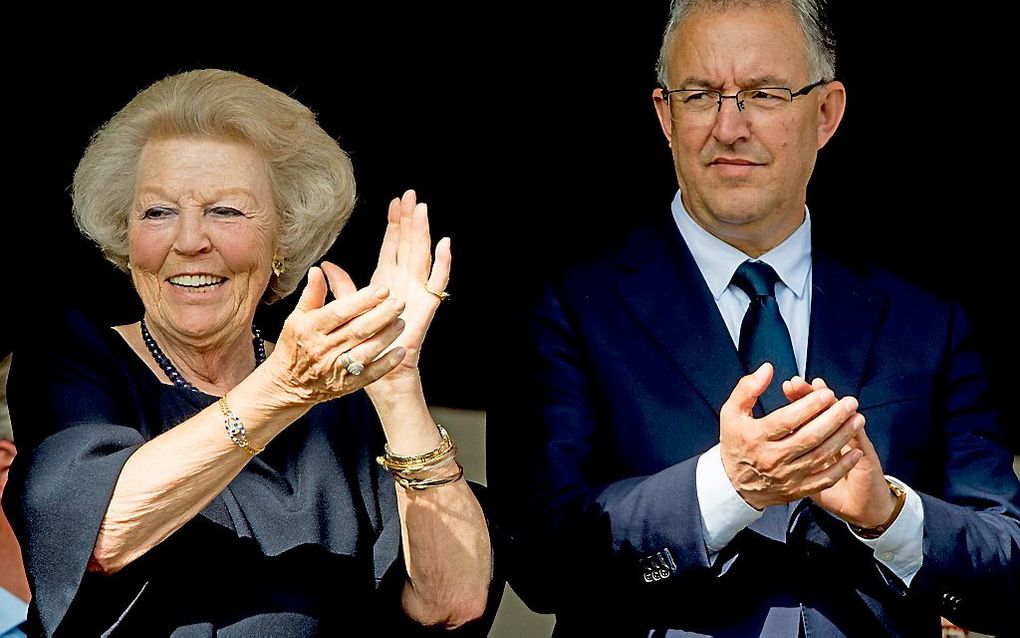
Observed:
{"x":305,"y":541}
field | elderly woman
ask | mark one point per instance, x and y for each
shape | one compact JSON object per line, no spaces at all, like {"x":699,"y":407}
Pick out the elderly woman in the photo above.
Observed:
{"x":182,"y":476}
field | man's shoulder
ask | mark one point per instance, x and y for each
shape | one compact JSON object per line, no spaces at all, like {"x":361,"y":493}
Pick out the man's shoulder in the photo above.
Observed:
{"x":623,"y":252}
{"x":901,"y":295}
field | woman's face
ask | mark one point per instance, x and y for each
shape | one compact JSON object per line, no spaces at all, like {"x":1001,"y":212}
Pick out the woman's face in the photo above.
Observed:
{"x":201,"y":237}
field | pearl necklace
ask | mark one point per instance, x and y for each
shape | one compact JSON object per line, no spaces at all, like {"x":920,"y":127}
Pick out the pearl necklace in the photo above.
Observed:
{"x":171,"y":372}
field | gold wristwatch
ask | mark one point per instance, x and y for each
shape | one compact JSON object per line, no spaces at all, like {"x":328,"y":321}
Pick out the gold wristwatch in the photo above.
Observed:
{"x":875,"y":532}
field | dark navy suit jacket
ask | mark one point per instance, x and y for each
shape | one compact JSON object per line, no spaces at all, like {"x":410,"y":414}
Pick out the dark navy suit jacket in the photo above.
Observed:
{"x":619,"y":380}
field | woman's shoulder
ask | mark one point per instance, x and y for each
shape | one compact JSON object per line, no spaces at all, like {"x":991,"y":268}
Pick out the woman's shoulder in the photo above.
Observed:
{"x":66,"y":350}
{"x":66,"y":333}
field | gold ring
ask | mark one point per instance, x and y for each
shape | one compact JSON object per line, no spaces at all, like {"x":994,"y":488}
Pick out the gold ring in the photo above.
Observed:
{"x":443,"y":296}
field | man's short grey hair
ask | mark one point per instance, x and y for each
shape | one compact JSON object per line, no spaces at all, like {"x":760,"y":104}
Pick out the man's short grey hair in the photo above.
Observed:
{"x":310,"y":175}
{"x":811,"y":15}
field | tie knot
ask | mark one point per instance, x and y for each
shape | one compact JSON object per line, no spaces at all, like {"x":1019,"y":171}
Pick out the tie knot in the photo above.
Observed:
{"x":756,"y":278}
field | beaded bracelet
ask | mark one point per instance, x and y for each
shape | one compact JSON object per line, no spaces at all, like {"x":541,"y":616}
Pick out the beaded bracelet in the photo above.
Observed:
{"x":235,"y":429}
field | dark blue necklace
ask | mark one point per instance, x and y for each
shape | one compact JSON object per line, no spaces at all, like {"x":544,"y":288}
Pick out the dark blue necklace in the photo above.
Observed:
{"x":168,"y":368}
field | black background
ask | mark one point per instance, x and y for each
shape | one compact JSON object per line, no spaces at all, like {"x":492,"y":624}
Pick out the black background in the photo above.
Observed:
{"x":530,"y":133}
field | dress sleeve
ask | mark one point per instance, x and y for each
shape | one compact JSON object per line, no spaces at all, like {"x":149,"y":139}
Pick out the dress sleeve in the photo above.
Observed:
{"x":72,"y":416}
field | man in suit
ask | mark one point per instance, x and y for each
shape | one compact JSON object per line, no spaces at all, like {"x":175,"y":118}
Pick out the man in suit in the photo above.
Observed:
{"x":668,"y":468}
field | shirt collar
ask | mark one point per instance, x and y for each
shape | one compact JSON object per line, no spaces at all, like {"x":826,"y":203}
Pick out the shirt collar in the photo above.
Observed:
{"x":13,"y":611}
{"x":717,"y":260}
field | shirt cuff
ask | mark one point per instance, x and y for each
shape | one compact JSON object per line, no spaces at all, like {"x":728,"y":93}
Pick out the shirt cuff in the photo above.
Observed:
{"x":900,"y":548}
{"x":723,"y":512}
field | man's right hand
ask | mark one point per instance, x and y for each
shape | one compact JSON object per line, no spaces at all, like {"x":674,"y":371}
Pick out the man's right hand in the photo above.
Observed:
{"x":791,"y":453}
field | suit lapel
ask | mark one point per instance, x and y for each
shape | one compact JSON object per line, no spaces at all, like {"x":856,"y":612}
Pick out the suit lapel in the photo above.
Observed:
{"x":845,"y":315}
{"x":661,"y":284}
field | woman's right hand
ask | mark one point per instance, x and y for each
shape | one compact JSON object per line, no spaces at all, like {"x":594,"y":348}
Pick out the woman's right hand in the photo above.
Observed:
{"x":305,"y":365}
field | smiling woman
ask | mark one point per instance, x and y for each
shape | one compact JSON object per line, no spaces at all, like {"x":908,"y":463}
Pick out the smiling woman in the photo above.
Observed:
{"x":179,"y":473}
{"x":201,"y":235}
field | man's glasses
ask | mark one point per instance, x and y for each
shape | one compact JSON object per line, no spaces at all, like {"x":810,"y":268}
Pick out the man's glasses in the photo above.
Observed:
{"x":686,"y":104}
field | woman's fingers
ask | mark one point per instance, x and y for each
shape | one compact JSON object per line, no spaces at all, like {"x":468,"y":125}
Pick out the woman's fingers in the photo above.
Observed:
{"x":388,"y":252}
{"x":367,"y":351}
{"x":340,"y":283}
{"x":314,"y":293}
{"x":340,"y":311}
{"x":407,"y":205}
{"x":365,"y":325}
{"x":421,"y":243}
{"x":440,"y":276}
{"x":380,"y":368}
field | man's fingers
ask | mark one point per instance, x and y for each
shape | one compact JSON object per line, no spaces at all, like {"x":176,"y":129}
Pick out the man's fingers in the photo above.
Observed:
{"x":831,"y":475}
{"x":314,"y":293}
{"x":813,"y":433}
{"x":748,"y":389}
{"x":865,"y":443}
{"x":834,"y":446}
{"x":789,"y":418}
{"x":796,"y":388}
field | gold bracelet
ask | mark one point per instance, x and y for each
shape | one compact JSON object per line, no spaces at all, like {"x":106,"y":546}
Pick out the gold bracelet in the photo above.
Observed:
{"x":441,"y":449}
{"x":235,"y":429}
{"x":420,"y":462}
{"x":424,"y":484}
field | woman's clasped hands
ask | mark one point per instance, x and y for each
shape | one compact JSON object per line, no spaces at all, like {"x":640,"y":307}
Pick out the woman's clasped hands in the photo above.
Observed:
{"x":367,"y":335}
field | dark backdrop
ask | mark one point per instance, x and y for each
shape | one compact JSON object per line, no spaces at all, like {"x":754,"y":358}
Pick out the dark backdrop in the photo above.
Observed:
{"x":530,"y":133}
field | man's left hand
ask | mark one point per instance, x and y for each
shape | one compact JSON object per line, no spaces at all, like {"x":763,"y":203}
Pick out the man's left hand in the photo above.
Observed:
{"x":862,"y":497}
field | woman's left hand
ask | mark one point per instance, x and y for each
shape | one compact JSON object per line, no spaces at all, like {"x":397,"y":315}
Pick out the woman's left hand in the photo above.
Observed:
{"x":406,"y":268}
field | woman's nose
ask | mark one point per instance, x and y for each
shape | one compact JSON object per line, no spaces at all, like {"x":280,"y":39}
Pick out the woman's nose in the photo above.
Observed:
{"x":192,"y":236}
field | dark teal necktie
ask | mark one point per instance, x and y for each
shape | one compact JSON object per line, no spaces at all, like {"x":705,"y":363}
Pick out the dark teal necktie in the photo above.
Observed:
{"x":765,"y":337}
{"x":763,"y":333}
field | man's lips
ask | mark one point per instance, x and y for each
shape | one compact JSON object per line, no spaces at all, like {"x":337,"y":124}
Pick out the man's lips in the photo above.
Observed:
{"x":734,"y":161}
{"x":733,"y":168}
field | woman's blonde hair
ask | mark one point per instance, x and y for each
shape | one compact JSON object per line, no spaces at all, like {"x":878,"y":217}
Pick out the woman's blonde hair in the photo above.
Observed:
{"x":311,"y":176}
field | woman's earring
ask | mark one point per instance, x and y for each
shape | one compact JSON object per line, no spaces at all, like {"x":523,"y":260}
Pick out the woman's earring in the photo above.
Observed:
{"x":278,"y":267}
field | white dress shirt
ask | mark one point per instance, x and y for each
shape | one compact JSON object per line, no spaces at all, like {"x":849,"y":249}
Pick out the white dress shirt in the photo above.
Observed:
{"x":724,"y":513}
{"x":13,"y":612}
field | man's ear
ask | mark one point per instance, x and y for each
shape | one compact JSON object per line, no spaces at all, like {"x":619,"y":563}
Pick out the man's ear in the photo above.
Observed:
{"x":7,"y":454}
{"x":831,"y":106}
{"x":662,"y":111}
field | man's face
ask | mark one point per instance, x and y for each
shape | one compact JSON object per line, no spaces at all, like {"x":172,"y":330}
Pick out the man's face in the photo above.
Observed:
{"x":744,"y":174}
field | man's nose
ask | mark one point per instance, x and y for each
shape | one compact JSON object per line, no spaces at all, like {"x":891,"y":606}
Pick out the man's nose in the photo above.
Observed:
{"x":731,"y":123}
{"x":192,"y":236}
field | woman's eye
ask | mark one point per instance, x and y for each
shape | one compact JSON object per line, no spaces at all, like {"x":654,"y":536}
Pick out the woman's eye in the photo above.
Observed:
{"x":225,"y":211}
{"x":155,"y":213}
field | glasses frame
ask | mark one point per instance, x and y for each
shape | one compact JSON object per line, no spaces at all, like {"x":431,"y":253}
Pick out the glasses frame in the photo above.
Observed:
{"x":740,"y":103}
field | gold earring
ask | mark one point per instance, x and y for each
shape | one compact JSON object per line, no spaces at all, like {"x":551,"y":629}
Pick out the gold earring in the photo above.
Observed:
{"x":278,"y":267}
